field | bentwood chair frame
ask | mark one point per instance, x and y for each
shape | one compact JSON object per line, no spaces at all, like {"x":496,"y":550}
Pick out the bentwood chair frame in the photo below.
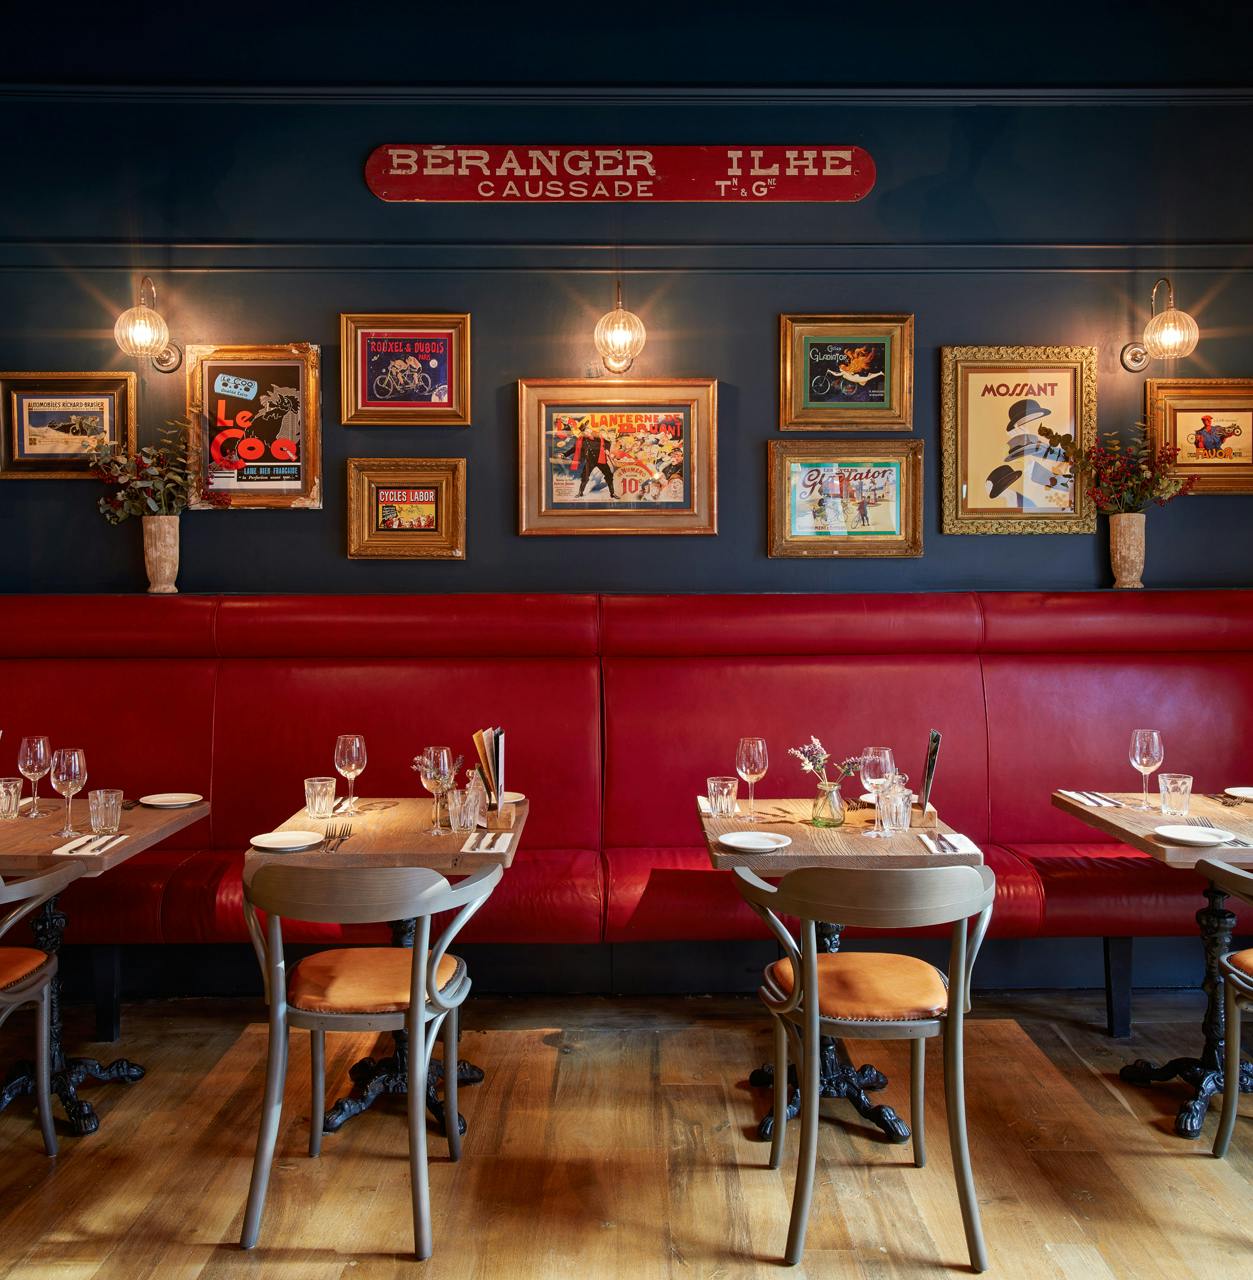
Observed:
{"x":905,"y":898}
{"x":1237,"y":996}
{"x":18,"y":899}
{"x":350,"y":895}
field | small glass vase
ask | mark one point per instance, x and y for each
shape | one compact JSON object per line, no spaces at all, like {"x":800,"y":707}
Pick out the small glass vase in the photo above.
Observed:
{"x":828,"y":807}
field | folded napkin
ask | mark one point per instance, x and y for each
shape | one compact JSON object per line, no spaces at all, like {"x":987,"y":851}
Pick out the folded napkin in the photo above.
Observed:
{"x":500,"y":842}
{"x":702,"y":803}
{"x":964,"y":843}
{"x":1090,"y":800}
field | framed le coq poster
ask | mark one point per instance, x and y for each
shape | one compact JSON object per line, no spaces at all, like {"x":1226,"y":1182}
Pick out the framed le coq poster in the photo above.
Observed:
{"x":1000,"y":474}
{"x":404,"y":370}
{"x":406,"y":508}
{"x":53,"y":421}
{"x":1210,"y":422}
{"x":256,"y":425}
{"x":630,"y":457}
{"x":831,"y":498}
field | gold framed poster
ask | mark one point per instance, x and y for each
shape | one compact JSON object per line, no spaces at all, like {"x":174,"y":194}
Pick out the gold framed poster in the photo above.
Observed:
{"x":617,"y":457}
{"x":846,"y":372}
{"x":1210,"y":422}
{"x":256,"y":425}
{"x":845,"y":498}
{"x":404,"y":370}
{"x":999,"y":474}
{"x":52,"y":422}
{"x":406,"y":508}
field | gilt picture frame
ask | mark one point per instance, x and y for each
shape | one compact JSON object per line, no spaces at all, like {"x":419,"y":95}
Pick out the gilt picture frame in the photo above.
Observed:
{"x":845,"y":498}
{"x":1000,"y":475}
{"x":846,"y":372}
{"x":50,"y":422}
{"x":1210,"y":422}
{"x":622,"y":457}
{"x":404,"y":369}
{"x":406,"y":508}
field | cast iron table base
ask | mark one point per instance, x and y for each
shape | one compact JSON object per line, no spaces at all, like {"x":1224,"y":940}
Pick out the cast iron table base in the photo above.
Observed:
{"x":1203,"y":1075}
{"x":371,"y":1078}
{"x":837,"y":1077}
{"x":48,"y":926}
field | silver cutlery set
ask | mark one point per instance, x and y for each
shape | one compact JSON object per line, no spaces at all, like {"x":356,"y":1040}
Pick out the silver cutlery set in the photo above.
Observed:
{"x":483,"y":843}
{"x":1235,"y":841}
{"x":335,"y":835}
{"x":92,"y":844}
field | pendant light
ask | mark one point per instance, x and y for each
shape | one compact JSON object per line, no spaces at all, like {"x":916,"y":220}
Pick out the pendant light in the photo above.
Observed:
{"x":142,"y":331}
{"x":1167,"y":336}
{"x":619,"y":336}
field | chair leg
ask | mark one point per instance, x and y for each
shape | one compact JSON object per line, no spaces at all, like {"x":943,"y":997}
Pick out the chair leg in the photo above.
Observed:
{"x":918,"y":1098}
{"x":452,"y":1123}
{"x":43,"y":1067}
{"x":267,"y":1135}
{"x":803,"y":1194}
{"x":1231,"y":1073}
{"x":780,"y":1092}
{"x":955,"y":1098}
{"x":419,"y":1178}
{"x":317,"y":1103}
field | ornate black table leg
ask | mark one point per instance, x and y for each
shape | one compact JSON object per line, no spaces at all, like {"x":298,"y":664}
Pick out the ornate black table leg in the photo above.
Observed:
{"x":838,"y":1078}
{"x":1203,"y":1075}
{"x":48,"y":926}
{"x":371,"y":1078}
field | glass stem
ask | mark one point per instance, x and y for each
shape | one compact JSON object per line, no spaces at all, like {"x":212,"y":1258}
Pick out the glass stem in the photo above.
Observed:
{"x":1144,"y":778}
{"x":752,"y":802}
{"x":69,"y":800}
{"x":352,"y":802}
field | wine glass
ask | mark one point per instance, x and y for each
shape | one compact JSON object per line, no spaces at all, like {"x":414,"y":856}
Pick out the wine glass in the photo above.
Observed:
{"x":69,"y":777}
{"x":349,"y":762}
{"x":435,"y":768}
{"x":33,"y":762}
{"x":751,"y":763}
{"x":1146,"y":754}
{"x":878,"y":768}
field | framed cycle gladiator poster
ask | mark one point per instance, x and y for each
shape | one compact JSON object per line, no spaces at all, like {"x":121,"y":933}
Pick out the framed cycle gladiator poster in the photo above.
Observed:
{"x":848,"y":372}
{"x":256,"y":425}
{"x":620,"y":457}
{"x":404,"y":370}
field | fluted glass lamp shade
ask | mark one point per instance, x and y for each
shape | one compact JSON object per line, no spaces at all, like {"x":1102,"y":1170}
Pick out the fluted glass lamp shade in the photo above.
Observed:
{"x":141,"y":331}
{"x":619,"y":337}
{"x":1171,"y":334}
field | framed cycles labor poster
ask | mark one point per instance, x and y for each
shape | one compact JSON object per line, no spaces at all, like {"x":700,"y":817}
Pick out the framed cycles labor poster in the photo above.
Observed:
{"x":621,"y":457}
{"x":406,"y":508}
{"x":404,"y":370}
{"x":256,"y":425}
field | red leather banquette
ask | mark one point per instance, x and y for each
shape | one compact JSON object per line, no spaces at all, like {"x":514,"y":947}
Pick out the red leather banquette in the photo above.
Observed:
{"x":617,"y":708}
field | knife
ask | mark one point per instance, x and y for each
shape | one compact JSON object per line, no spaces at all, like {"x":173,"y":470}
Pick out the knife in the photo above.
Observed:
{"x":109,"y":843}
{"x":76,"y":846}
{"x":928,"y":774}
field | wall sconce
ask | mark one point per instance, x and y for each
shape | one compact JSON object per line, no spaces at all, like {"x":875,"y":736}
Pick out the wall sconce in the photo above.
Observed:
{"x":142,"y":331}
{"x":619,"y":337}
{"x":1166,"y":336}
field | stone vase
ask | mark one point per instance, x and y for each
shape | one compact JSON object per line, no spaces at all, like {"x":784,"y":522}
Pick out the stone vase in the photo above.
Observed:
{"x":1126,"y":549}
{"x":161,"y":553}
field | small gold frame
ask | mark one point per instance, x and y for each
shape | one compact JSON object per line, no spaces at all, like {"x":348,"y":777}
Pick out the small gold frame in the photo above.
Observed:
{"x":907,"y":453}
{"x":1164,"y":398}
{"x":103,"y":382}
{"x":446,"y":541}
{"x":354,"y":408}
{"x":1007,"y":365}
{"x":797,"y":409}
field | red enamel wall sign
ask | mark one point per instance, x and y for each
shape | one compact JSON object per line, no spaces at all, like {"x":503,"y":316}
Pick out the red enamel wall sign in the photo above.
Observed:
{"x":541,"y":174}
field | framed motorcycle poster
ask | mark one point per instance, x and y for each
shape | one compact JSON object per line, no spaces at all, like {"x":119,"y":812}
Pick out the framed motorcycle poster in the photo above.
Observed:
{"x":617,"y":457}
{"x":846,"y":372}
{"x":256,"y":425}
{"x":1210,"y":422}
{"x":52,"y":422}
{"x":404,"y":370}
{"x":406,"y":508}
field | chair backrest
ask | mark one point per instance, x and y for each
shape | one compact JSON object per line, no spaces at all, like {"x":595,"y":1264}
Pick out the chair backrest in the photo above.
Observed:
{"x":346,"y":895}
{"x":19,"y":898}
{"x":1233,"y":880}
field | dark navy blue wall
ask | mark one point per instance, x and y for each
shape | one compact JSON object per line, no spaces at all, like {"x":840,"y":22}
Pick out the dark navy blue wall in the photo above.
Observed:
{"x":1002,"y":215}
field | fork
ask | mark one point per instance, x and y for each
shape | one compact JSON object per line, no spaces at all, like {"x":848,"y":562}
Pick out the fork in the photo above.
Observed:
{"x":331,"y":836}
{"x":1205,"y":822}
{"x":345,"y":832}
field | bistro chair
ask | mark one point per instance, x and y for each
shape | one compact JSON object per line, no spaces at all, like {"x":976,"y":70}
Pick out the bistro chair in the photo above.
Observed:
{"x":26,"y":975}
{"x":868,"y":995}
{"x":1237,"y":970}
{"x":361,"y":989}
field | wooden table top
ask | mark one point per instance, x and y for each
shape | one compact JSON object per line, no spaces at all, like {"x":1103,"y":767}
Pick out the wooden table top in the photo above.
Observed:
{"x":811,"y":846}
{"x":393,"y":833}
{"x":1134,"y":826}
{"x":27,"y":844}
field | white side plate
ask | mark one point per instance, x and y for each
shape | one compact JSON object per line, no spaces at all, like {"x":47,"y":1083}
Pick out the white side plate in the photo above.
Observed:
{"x":511,"y":797}
{"x":286,"y":841}
{"x":754,"y":841}
{"x":1202,"y":837}
{"x":1241,"y":793}
{"x":171,"y":800}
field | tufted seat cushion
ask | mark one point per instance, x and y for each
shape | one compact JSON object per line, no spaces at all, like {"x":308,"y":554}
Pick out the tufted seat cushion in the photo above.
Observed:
{"x":359,"y":980}
{"x":871,"y":986}
{"x":19,"y":963}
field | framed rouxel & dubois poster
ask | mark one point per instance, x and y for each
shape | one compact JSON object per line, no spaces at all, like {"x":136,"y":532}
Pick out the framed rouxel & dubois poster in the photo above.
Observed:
{"x":404,"y":370}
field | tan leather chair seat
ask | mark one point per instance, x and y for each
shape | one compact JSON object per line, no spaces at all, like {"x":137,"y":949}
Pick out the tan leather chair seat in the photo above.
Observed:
{"x":19,"y":963}
{"x":359,"y":980}
{"x":1242,"y":960}
{"x":866,"y":986}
